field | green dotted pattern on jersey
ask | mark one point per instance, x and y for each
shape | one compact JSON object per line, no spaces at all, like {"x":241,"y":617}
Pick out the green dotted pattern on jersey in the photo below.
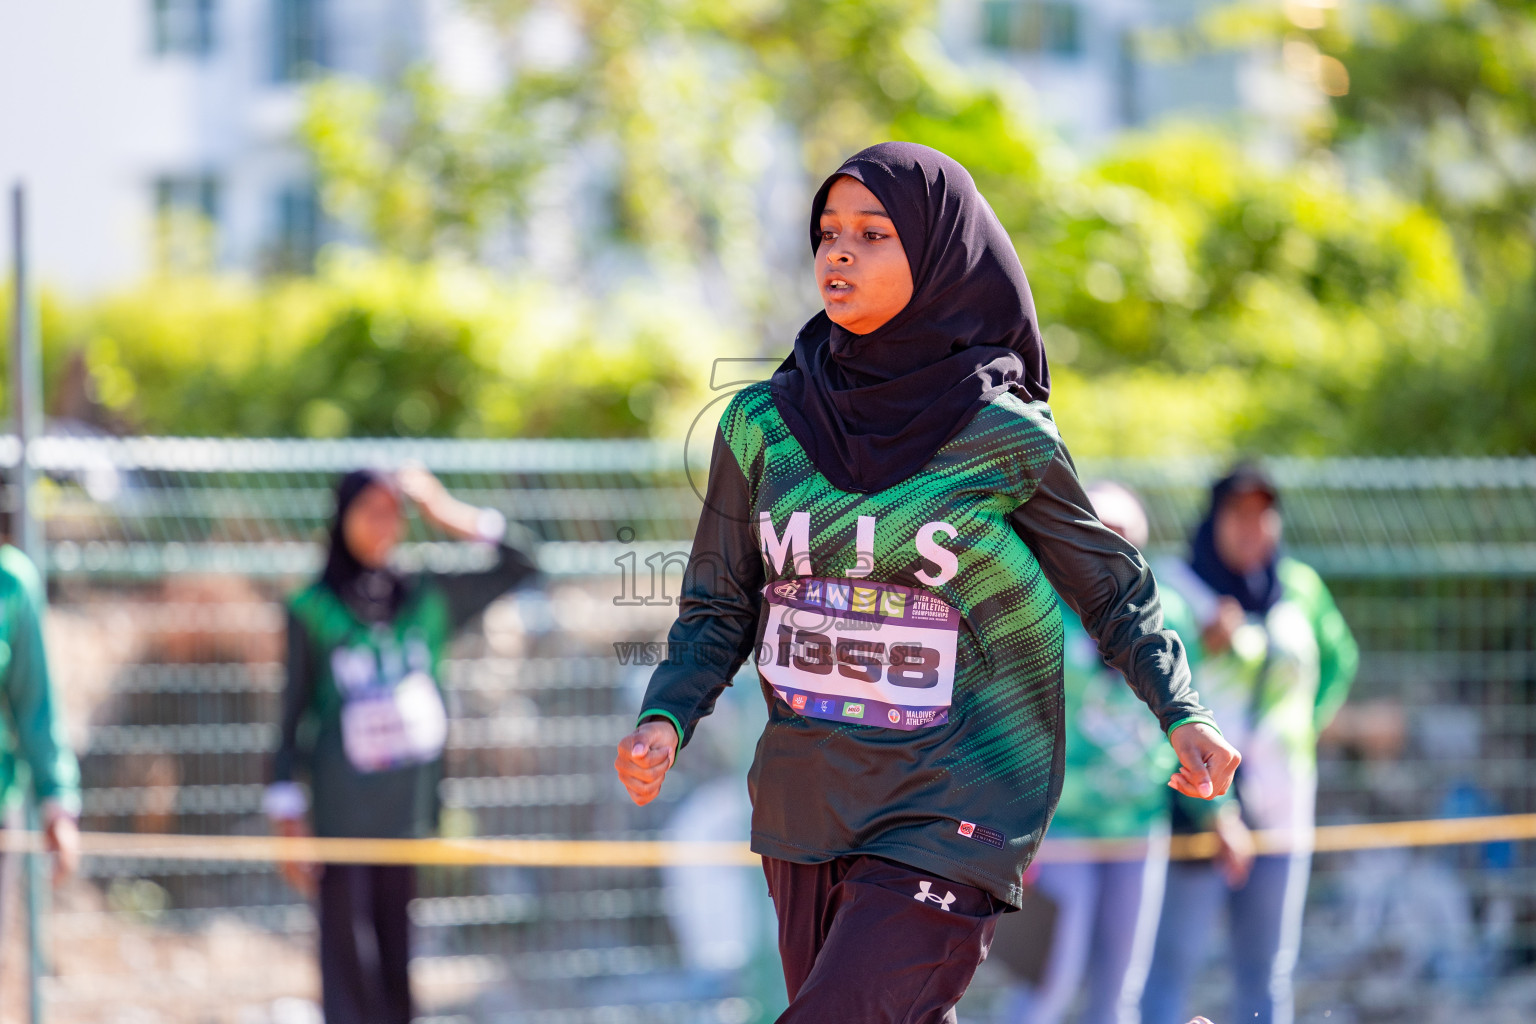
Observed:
{"x":1007,"y":697}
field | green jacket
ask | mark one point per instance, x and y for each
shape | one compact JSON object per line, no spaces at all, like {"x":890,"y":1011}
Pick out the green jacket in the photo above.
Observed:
{"x":33,"y":744}
{"x":1117,"y":760}
{"x":1284,"y":678}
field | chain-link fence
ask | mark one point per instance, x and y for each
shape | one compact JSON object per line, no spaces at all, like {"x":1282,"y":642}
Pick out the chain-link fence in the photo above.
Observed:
{"x":168,"y":559}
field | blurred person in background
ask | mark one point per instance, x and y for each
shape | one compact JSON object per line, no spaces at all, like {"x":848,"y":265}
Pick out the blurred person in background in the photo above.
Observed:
{"x":1279,"y":660}
{"x":363,"y":717}
{"x":1117,"y":768}
{"x":34,"y":748}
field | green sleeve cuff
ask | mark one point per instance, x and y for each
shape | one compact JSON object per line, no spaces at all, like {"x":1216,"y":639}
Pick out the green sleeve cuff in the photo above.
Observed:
{"x":1195,"y":720}
{"x":669,"y":716}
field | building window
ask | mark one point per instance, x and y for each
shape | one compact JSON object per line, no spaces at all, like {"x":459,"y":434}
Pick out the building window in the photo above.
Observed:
{"x":186,"y":222}
{"x":296,"y":238}
{"x":183,"y":27}
{"x":296,"y":39}
{"x":1033,"y":26}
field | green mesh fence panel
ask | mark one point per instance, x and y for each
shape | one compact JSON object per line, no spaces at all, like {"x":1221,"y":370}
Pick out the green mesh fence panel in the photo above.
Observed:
{"x":168,"y":558}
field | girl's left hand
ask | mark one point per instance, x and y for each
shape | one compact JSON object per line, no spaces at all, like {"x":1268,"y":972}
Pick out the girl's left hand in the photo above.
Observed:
{"x":1207,"y":762}
{"x":417,"y":483}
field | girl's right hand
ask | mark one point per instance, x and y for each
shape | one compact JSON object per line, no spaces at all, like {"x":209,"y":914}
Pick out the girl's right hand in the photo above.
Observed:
{"x":644,"y":757}
{"x":1207,"y":762}
{"x":302,"y":876}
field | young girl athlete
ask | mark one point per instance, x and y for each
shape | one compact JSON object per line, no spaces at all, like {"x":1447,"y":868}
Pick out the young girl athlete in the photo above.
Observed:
{"x":884,"y":523}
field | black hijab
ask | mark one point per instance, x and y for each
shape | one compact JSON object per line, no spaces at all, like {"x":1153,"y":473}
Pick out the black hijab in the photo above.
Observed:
{"x":374,"y":595}
{"x":1259,"y":591}
{"x":872,"y":409}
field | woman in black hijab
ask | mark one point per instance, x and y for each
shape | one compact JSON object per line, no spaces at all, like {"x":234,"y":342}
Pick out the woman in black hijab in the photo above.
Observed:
{"x":1278,"y":661}
{"x":373,"y":592}
{"x":363,"y":717}
{"x":871,"y":407}
{"x":881,"y":521}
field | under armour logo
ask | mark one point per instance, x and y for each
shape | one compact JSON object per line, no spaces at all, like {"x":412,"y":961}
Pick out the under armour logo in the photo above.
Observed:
{"x":926,"y":894}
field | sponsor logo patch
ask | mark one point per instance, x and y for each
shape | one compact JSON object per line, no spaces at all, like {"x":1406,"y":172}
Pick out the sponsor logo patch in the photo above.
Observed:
{"x":798,"y":703}
{"x":851,"y":710}
{"x":983,"y":834}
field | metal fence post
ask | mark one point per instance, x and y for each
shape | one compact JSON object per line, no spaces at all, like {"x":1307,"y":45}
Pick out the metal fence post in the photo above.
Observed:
{"x":26,"y":405}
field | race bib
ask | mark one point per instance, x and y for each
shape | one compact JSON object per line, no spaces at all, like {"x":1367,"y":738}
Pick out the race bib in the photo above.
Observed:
{"x":850,"y":651}
{"x":392,"y":727}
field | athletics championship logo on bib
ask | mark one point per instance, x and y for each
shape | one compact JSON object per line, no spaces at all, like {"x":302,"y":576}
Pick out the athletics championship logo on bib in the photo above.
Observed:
{"x":874,"y":654}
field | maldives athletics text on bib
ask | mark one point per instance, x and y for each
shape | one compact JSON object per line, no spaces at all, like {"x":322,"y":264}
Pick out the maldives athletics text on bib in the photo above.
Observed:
{"x":848,"y":650}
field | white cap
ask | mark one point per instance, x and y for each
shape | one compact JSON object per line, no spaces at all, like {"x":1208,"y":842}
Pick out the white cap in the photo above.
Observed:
{"x":1120,"y":510}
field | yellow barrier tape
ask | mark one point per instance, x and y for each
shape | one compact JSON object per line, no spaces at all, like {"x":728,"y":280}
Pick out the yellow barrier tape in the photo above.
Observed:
{"x":569,"y":853}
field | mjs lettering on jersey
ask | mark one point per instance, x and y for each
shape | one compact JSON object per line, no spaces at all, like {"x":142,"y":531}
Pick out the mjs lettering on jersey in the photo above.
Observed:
{"x":847,"y":649}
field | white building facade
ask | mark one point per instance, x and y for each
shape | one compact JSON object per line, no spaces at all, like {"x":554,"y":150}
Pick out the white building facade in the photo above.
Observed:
{"x":164,"y":132}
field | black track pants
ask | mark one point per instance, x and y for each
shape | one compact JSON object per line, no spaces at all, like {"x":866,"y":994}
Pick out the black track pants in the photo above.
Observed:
{"x":870,"y":941}
{"x":365,"y":943}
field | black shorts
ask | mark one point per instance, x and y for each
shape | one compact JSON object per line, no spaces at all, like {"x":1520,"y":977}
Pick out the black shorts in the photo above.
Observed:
{"x":870,"y":941}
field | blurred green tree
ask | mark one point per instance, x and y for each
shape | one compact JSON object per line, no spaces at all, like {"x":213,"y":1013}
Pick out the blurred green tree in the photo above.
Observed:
{"x":1270,"y":307}
{"x":1439,"y":98}
{"x":1193,"y":299}
{"x":375,"y":346}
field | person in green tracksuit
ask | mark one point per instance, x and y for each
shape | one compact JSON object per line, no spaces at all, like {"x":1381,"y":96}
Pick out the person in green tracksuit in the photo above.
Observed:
{"x":364,"y":719}
{"x":1279,"y":662}
{"x":1115,"y":787}
{"x":34,"y":750}
{"x":888,"y":522}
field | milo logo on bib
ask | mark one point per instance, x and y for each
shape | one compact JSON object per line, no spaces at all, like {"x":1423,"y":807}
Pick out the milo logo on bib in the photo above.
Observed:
{"x":849,"y":650}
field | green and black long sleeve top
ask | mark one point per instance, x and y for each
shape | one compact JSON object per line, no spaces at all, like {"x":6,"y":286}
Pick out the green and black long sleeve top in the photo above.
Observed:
{"x":908,"y":641}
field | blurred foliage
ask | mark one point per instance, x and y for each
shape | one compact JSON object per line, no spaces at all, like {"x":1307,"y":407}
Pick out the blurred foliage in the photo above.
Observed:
{"x":1271,"y":308}
{"x":638,"y":179}
{"x":1442,"y":99}
{"x":375,"y":346}
{"x":1192,"y":300}
{"x":1439,"y":99}
{"x":664,"y":120}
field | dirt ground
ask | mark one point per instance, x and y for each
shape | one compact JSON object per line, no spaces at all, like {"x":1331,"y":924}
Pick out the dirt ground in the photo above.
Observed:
{"x":113,"y":966}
